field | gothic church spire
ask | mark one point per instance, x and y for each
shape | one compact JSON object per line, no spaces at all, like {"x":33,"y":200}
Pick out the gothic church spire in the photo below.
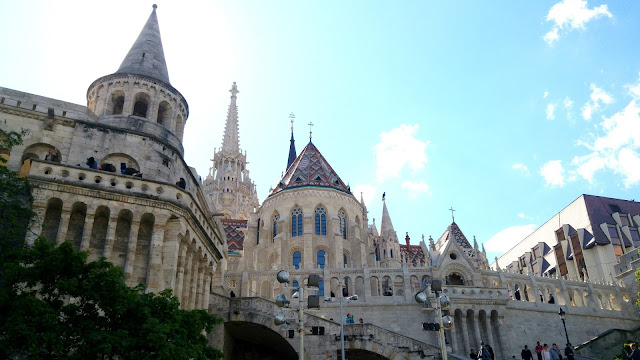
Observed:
{"x":292,"y":145}
{"x":386,"y":227}
{"x":146,"y":56}
{"x":231,"y":141}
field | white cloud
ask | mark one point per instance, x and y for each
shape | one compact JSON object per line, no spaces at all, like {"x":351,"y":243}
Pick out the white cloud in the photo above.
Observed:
{"x":553,"y":173}
{"x":550,"y":109}
{"x":368,"y":192}
{"x":521,"y":167}
{"x":616,"y":143}
{"x":415,"y":188}
{"x":567,"y":103}
{"x":598,"y":96}
{"x":545,"y":94}
{"x":508,"y":238}
{"x":521,"y":216}
{"x":570,"y":15}
{"x":399,"y":148}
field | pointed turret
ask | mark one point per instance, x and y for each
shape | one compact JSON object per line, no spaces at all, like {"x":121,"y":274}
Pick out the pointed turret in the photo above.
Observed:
{"x":386,"y":227}
{"x":146,"y":56}
{"x":292,"y":145}
{"x":231,"y":141}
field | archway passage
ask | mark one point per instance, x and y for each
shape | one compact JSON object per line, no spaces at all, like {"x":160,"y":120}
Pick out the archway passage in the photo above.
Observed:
{"x":359,"y":354}
{"x":245,"y":340}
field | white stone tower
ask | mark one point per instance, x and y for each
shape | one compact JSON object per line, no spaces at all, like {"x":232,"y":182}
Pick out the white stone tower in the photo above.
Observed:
{"x":228,"y":184}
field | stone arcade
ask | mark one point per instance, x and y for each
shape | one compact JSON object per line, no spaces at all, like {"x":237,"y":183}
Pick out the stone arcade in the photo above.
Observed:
{"x":143,"y":208}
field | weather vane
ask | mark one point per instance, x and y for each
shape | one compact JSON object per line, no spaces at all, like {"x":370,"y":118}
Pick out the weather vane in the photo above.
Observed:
{"x":292,"y":117}
{"x":310,"y":125}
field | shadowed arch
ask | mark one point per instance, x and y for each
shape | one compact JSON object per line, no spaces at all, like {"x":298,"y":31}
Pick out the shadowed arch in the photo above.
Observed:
{"x":253,"y":340}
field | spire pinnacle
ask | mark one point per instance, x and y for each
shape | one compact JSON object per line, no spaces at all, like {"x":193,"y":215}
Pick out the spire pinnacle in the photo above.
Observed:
{"x":386,"y":227}
{"x":146,"y":56}
{"x":231,"y":141}
{"x":292,"y":144}
{"x":310,"y":132}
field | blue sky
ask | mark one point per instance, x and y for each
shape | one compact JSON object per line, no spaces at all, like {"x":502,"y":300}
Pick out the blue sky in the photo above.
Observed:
{"x":507,"y":111}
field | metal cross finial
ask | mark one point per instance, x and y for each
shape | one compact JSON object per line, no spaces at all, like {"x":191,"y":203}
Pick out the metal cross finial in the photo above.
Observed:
{"x":452,"y":210}
{"x":310,"y":125}
{"x":292,"y":117}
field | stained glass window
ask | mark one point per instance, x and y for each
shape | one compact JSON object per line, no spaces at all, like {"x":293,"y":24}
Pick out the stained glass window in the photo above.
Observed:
{"x":296,"y":222}
{"x":321,"y":259}
{"x":343,"y":223}
{"x":321,"y":221}
{"x":297,"y":259}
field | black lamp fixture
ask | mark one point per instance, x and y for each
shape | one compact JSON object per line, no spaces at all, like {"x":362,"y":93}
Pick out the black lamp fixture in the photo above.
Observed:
{"x":562,"y":314}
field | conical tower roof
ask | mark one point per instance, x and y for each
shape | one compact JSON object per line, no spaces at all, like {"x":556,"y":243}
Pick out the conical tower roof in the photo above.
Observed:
{"x":231,"y":139}
{"x":310,"y":169}
{"x":146,"y":56}
{"x":386,"y":227}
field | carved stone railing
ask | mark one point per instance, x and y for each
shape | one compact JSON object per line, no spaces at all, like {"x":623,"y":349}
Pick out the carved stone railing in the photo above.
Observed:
{"x":382,"y":336}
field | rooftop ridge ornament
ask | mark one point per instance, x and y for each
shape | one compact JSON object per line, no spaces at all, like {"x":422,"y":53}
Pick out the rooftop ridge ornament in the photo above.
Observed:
{"x":452,"y":217}
{"x":310,"y":131}
{"x":292,"y":117}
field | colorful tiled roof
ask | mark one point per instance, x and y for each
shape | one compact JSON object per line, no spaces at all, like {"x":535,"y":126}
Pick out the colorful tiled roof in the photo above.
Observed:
{"x":453,"y":231}
{"x":310,"y":169}
{"x":412,"y":254}
{"x":235,"y":238}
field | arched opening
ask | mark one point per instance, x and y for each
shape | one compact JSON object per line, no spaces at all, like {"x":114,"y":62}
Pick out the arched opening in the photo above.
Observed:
{"x":296,"y":222}
{"x":321,"y":220}
{"x":120,"y":162}
{"x":164,"y":110}
{"x":456,"y":279}
{"x":116,"y":103}
{"x":51,"y":221}
{"x":375,"y":286}
{"x":121,"y":242}
{"x":99,"y":233}
{"x":76,"y":224}
{"x":320,"y":259}
{"x":141,"y":105}
{"x":265,"y":289}
{"x":143,"y":245}
{"x":359,"y":286}
{"x":297,"y":259}
{"x":246,"y":340}
{"x":361,"y":354}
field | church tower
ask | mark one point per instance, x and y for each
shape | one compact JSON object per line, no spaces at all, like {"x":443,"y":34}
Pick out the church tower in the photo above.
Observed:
{"x":228,"y":184}
{"x":387,"y":244}
{"x":139,"y":94}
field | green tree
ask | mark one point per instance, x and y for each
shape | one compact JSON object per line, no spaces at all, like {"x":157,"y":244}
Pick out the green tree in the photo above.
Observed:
{"x":55,"y":305}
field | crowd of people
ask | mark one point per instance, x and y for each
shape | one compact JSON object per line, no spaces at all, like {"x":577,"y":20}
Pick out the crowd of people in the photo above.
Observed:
{"x":544,"y":352}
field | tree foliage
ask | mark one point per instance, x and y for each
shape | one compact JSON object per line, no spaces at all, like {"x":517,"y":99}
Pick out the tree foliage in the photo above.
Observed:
{"x":55,"y":305}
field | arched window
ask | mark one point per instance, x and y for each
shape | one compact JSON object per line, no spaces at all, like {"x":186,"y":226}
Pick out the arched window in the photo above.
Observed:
{"x":321,"y":288}
{"x":141,"y":105}
{"x":297,"y":259}
{"x":343,"y":223}
{"x":320,"y":259}
{"x":321,"y":221}
{"x":296,"y":222}
{"x":391,"y":253}
{"x":294,"y":287}
{"x":116,"y":103}
{"x":276,"y":217}
{"x":163,"y":112}
{"x":345,"y":259}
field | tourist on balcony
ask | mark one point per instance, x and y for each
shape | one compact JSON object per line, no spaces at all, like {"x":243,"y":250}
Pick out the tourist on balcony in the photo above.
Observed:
{"x":526,"y":354}
{"x":91,"y":162}
{"x":53,"y":155}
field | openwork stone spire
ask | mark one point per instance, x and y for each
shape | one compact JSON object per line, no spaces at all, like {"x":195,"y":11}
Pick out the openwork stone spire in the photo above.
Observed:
{"x":146,"y":56}
{"x":231,"y":139}
{"x":292,"y":145}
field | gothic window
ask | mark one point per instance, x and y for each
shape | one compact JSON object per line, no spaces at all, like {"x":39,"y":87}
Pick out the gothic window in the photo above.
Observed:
{"x":345,"y":259}
{"x":321,"y":221}
{"x":276,"y":217}
{"x":391,"y":253}
{"x":343,"y":223}
{"x":297,"y":259}
{"x":321,"y":288}
{"x":320,"y":259}
{"x":294,"y":287}
{"x":296,"y":222}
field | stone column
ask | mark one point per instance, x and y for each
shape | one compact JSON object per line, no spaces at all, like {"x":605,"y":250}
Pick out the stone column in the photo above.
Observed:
{"x":111,"y":235}
{"x":182,"y":258}
{"x":201,"y":283}
{"x":131,"y":251}
{"x":207,"y":289}
{"x":465,"y":333}
{"x":63,"y":226}
{"x":367,"y":283}
{"x":454,"y":342}
{"x":476,"y":329}
{"x":35,"y":226}
{"x":193,"y":288}
{"x":186,"y":283}
{"x":154,"y":271}
{"x":487,"y":325}
{"x":88,"y":227}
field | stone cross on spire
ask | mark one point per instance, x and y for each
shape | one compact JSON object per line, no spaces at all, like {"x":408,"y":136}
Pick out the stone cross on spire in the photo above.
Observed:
{"x":310,"y":131}
{"x":452,"y":217}
{"x":231,"y":141}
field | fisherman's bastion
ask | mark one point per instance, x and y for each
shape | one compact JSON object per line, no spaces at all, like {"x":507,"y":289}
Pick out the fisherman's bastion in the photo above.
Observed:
{"x":110,"y":177}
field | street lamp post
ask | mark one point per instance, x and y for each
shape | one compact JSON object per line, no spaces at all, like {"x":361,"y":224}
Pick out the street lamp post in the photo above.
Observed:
{"x":562,"y":313}
{"x":446,"y":322}
{"x":350,"y":298}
